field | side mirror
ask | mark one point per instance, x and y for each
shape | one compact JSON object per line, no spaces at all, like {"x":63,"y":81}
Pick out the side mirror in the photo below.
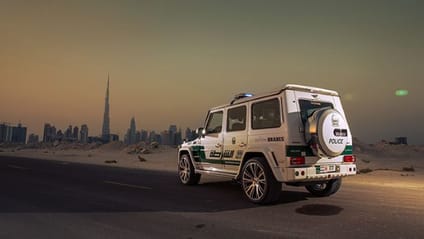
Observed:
{"x":201,"y":132}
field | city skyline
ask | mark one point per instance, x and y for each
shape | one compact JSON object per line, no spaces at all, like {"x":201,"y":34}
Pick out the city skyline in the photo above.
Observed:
{"x":172,"y":61}
{"x":17,"y":135}
{"x":105,"y":131}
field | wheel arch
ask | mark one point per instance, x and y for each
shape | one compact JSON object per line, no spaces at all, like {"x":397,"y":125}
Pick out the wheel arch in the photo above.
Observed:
{"x":267,"y":155}
{"x":186,"y":151}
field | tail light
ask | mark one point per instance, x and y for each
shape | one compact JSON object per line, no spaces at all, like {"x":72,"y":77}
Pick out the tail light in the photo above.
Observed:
{"x":349,"y":159}
{"x":297,"y":160}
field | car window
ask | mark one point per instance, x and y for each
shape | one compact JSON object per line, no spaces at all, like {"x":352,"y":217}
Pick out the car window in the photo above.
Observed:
{"x":266,"y":114}
{"x":307,"y":108}
{"x":214,"y":124}
{"x":236,"y":119}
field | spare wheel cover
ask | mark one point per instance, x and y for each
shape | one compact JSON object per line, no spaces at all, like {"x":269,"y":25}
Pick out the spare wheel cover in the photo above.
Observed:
{"x":332,"y":132}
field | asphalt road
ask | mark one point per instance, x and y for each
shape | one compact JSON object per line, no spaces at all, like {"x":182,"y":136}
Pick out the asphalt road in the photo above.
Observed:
{"x":51,"y":199}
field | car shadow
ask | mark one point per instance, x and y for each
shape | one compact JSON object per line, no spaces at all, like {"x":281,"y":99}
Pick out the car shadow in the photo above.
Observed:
{"x":319,"y":210}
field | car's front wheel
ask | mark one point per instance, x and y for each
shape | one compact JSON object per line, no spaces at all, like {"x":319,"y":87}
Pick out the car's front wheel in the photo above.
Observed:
{"x":324,"y":189}
{"x":186,"y":171}
{"x":259,"y":183}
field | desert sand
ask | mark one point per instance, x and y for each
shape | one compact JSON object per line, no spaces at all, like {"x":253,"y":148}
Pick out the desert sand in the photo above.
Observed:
{"x":379,"y":164}
{"x":114,"y":154}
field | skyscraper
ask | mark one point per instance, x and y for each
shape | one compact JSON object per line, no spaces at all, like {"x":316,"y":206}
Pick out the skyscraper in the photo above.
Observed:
{"x":106,"y":122}
{"x":165,"y":136}
{"x":75,"y":134}
{"x":172,"y":134}
{"x":84,"y":134}
{"x":19,"y":134}
{"x":33,"y":139}
{"x":12,"y":134}
{"x":190,"y":134}
{"x":131,"y":136}
{"x":5,"y":133}
{"x":144,"y":134}
{"x":68,"y":133}
{"x":49,"y":133}
{"x":132,"y":131}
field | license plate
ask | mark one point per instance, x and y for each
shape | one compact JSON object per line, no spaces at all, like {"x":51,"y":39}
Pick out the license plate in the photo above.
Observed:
{"x":326,"y":168}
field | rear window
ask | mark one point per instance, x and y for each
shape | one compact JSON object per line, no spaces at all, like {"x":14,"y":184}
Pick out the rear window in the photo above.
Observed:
{"x":307,"y":108}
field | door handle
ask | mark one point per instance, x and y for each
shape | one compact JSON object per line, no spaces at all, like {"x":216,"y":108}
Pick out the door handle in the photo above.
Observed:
{"x":242,"y":145}
{"x":218,"y":145}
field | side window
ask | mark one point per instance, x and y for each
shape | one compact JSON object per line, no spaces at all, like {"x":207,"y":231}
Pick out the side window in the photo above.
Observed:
{"x":214,"y":124}
{"x":236,"y":119}
{"x":266,"y":114}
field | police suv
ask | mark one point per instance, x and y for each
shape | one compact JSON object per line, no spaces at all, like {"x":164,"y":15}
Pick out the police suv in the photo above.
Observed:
{"x":297,"y":135}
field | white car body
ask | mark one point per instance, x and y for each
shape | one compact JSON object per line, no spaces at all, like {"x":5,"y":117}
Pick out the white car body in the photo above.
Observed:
{"x":301,"y":132}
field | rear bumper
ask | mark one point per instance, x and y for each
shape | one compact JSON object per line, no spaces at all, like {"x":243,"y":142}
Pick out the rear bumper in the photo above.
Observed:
{"x":314,"y":173}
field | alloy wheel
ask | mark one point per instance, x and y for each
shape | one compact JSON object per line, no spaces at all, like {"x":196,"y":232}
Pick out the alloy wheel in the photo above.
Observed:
{"x":254,"y":181}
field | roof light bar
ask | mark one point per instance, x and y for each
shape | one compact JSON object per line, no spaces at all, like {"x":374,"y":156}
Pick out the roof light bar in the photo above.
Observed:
{"x":241,"y":96}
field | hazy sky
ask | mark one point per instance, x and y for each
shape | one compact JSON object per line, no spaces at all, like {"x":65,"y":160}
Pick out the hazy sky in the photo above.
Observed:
{"x":169,"y":61}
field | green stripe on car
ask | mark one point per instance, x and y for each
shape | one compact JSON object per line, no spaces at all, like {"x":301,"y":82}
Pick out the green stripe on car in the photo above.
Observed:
{"x":348,"y":150}
{"x":198,"y":152}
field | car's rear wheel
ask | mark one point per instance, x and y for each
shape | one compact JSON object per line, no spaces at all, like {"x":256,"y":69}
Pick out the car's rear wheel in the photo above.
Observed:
{"x":259,"y":183}
{"x":186,"y":171}
{"x":324,"y":189}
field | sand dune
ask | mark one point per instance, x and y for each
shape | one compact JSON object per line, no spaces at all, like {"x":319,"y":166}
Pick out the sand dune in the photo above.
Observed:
{"x":385,"y":156}
{"x":111,"y":154}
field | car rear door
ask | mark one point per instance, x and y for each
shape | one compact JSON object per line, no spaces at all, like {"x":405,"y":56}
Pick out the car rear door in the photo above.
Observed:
{"x":235,"y":138}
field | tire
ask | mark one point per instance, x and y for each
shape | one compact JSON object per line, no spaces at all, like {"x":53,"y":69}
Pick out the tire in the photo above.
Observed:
{"x":186,"y":171}
{"x":324,"y":189}
{"x":258,"y":182}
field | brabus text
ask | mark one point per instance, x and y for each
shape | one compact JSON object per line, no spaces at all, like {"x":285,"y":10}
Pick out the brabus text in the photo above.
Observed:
{"x":275,"y":139}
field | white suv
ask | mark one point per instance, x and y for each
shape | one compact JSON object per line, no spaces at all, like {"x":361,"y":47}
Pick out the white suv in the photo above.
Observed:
{"x":297,"y":135}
